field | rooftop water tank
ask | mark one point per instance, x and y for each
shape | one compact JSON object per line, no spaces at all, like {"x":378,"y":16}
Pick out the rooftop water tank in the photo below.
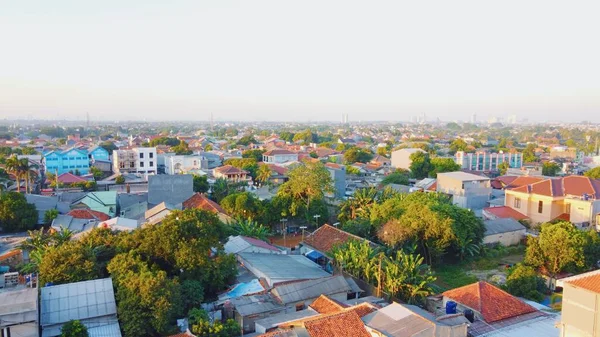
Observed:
{"x":450,"y":307}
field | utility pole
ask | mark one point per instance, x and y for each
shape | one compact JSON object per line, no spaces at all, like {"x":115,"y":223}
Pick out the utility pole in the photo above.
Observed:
{"x":284,"y":228}
{"x":379,"y":276}
{"x":317,"y":216}
{"x":303,"y":228}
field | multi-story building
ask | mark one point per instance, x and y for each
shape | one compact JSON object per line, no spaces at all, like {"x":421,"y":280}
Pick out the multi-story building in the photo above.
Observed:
{"x":572,"y":198}
{"x":485,"y":161}
{"x":71,"y":160}
{"x":279,"y":156}
{"x":338,"y":177}
{"x":467,"y":190}
{"x":231,"y":173}
{"x":137,"y":160}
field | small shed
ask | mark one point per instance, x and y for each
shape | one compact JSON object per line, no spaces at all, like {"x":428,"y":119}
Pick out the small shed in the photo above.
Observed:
{"x":504,"y":231}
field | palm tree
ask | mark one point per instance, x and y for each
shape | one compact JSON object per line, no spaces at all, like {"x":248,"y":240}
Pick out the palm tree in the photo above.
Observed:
{"x":247,"y":227}
{"x":13,"y":166}
{"x":31,"y":173}
{"x":62,"y":236}
{"x":264,"y":174}
{"x":360,"y":204}
{"x":37,"y":241}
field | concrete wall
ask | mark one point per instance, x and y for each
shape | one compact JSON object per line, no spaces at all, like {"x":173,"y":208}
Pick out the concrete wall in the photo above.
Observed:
{"x":468,"y":194}
{"x":339,"y":181}
{"x":580,"y":313}
{"x":401,"y":158}
{"x":173,"y":189}
{"x":505,"y":239}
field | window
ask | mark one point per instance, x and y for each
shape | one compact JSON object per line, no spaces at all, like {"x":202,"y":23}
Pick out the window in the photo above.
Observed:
{"x":540,"y":206}
{"x":151,"y":154}
{"x":141,"y":155}
{"x":151,"y":164}
{"x":5,"y":332}
{"x":141,"y":164}
{"x":517,"y":203}
{"x":568,"y":209}
{"x":132,"y":165}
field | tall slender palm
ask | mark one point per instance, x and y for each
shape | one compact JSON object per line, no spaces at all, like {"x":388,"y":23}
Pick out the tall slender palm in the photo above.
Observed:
{"x":264,"y":174}
{"x":13,"y":166}
{"x":29,"y":171}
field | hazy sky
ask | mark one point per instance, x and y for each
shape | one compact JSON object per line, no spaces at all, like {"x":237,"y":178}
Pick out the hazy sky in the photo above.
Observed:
{"x":299,"y":60}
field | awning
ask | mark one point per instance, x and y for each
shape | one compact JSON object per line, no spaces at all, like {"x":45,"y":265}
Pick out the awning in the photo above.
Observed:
{"x":314,"y":255}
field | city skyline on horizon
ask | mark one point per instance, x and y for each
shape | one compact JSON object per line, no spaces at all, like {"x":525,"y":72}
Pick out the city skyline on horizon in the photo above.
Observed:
{"x":270,"y":60}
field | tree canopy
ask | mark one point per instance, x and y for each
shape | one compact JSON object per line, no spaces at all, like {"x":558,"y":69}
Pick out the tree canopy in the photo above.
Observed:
{"x":420,"y":165}
{"x":593,"y":173}
{"x":307,"y":182}
{"x":356,"y":154}
{"x":16,"y":214}
{"x":441,"y":165}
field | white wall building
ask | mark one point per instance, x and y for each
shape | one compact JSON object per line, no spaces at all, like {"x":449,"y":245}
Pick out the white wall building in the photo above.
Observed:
{"x":184,"y":164}
{"x":136,"y":160}
{"x":401,"y":158}
{"x":279,"y":156}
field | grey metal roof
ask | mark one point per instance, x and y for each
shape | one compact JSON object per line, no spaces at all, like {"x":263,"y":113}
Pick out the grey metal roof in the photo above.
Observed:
{"x":502,"y":225}
{"x":304,"y":290}
{"x":128,"y":199}
{"x":280,"y":267}
{"x":79,"y":300}
{"x":250,"y":305}
{"x":274,"y":321}
{"x":42,"y":204}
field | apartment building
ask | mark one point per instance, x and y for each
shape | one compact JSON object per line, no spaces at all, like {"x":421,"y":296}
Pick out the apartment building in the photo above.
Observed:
{"x":572,"y":198}
{"x":401,"y":158}
{"x":137,"y":160}
{"x":184,"y":164}
{"x":485,"y":161}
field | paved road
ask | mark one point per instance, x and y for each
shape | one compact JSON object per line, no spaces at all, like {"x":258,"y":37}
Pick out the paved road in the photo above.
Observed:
{"x":8,"y":242}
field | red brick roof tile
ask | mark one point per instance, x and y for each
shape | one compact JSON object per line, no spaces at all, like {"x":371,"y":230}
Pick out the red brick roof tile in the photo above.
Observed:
{"x":325,"y":305}
{"x":326,"y":237}
{"x":558,"y":187}
{"x":69,"y":178}
{"x":342,"y":324}
{"x":200,"y":201}
{"x":591,"y":282}
{"x":228,"y":169}
{"x":491,"y":302}
{"x":505,"y":212}
{"x":88,"y":214}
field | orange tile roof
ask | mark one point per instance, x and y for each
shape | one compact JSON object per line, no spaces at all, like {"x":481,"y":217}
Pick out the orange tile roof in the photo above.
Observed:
{"x":520,"y":181}
{"x":491,"y":302}
{"x":505,"y":212}
{"x":591,"y":282}
{"x":326,"y":237}
{"x":325,"y":305}
{"x":558,"y":187}
{"x":88,"y":214}
{"x":275,"y":152}
{"x":200,"y":201}
{"x":342,"y":324}
{"x":228,"y":169}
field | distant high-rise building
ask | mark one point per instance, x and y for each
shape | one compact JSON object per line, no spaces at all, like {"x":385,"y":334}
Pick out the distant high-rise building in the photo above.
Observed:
{"x":512,"y":119}
{"x":473,"y":118}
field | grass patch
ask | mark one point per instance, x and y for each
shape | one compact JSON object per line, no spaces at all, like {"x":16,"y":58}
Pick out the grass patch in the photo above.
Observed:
{"x":452,"y":276}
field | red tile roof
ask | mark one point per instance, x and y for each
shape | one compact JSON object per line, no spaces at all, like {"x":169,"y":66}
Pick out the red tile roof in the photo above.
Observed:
{"x":558,"y":187}
{"x":342,"y":324}
{"x":276,"y":152}
{"x":506,"y":180}
{"x":325,"y":305}
{"x":491,"y":302}
{"x":564,"y":216}
{"x":333,"y":166}
{"x":228,"y":169}
{"x":505,"y":212}
{"x":591,"y":282}
{"x":69,"y":178}
{"x":525,"y":180}
{"x":326,"y":237}
{"x":88,"y":214}
{"x":260,"y":243}
{"x":200,"y":201}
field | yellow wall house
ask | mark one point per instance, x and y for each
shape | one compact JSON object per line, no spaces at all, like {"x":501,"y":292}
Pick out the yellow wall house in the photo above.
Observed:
{"x":581,"y":305}
{"x":572,"y":198}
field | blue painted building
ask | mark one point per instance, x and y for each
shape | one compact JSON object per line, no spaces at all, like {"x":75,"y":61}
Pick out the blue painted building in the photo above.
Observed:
{"x":98,"y":153}
{"x":70,"y":160}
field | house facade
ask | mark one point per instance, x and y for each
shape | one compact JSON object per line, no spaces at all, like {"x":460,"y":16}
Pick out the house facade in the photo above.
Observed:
{"x":581,"y":305}
{"x":231,"y":173}
{"x":467,"y":190}
{"x":71,"y":160}
{"x":279,"y":156}
{"x":183,"y":164}
{"x":572,"y":198}
{"x":484,"y":161}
